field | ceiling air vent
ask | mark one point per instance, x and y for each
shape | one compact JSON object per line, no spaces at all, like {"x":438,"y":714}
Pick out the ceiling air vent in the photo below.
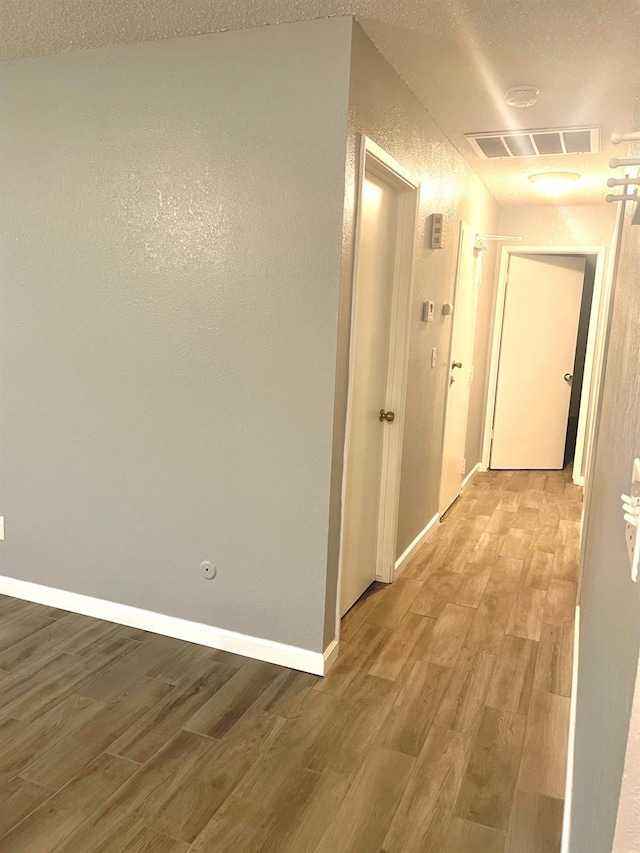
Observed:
{"x":536,"y":143}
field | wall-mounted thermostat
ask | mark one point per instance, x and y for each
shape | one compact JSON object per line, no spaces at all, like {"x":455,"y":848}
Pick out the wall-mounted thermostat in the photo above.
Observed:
{"x":427,"y":312}
{"x":437,"y":221}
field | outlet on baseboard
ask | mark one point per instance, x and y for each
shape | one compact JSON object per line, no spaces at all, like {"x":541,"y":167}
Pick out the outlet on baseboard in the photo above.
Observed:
{"x":1,"y":527}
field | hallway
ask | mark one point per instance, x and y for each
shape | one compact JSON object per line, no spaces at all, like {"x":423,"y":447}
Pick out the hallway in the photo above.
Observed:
{"x":479,"y":633}
{"x":442,"y":727}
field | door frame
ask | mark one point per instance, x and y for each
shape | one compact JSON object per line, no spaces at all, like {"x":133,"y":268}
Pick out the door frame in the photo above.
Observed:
{"x":375,"y":159}
{"x":464,"y":228}
{"x":593,"y":356}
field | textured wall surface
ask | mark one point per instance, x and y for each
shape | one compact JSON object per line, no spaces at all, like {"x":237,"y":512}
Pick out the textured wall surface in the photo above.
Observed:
{"x":610,"y":602}
{"x":384,"y":109}
{"x":458,"y":58}
{"x":579,"y":225}
{"x":170,"y":230}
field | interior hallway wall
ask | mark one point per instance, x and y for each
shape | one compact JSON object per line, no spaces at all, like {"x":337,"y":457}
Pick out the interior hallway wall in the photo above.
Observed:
{"x":609,"y":601}
{"x":383,"y":108}
{"x":170,"y":248}
{"x":557,"y":225}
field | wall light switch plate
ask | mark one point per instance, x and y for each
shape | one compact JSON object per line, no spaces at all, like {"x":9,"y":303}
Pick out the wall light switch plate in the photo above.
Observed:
{"x":631,"y":510}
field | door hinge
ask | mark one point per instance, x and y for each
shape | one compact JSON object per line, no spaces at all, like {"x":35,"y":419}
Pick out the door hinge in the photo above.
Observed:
{"x":470,"y":374}
{"x":464,"y":467}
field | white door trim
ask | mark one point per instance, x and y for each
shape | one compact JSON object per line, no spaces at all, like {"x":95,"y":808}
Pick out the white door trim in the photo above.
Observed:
{"x":599,"y":311}
{"x":375,"y":159}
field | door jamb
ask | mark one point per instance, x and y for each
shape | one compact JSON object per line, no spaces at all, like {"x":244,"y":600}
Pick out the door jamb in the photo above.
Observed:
{"x":375,"y":159}
{"x":599,"y":311}
{"x":464,"y":227}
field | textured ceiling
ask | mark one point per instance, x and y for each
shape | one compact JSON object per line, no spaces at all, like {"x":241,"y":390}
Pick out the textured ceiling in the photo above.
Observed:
{"x":458,"y":56}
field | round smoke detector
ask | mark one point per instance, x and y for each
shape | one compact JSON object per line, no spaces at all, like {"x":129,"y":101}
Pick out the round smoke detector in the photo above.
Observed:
{"x":522,"y":96}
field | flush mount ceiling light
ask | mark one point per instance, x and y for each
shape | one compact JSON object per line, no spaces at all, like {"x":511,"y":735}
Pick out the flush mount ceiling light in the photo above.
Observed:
{"x":554,"y":183}
{"x":522,"y":96}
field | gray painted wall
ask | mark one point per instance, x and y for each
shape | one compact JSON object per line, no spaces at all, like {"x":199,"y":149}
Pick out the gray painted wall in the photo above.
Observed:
{"x":170,"y":231}
{"x":610,"y":602}
{"x":383,"y":108}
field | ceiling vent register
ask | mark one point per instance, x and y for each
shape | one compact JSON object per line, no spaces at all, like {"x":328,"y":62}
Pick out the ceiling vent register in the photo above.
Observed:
{"x":535,"y":143}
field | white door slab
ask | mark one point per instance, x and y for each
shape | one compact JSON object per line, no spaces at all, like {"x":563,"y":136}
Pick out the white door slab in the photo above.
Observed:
{"x":370,"y":366}
{"x":537,"y":353}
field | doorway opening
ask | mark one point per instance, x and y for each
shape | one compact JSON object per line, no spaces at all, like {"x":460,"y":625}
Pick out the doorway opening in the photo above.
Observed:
{"x":548,"y":330}
{"x":386,"y":224}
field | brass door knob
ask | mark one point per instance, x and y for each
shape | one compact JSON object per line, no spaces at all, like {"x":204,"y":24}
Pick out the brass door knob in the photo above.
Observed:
{"x":387,"y":416}
{"x":456,"y":364}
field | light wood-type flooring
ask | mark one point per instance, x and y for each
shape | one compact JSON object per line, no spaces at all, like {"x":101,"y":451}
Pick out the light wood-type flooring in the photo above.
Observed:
{"x":441,"y":728}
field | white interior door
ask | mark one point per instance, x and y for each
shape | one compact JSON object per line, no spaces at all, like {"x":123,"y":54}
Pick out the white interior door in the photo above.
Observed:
{"x":537,"y":351}
{"x":460,"y":368}
{"x":371,"y":339}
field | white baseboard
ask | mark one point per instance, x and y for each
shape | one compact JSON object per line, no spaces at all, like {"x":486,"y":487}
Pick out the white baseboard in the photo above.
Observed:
{"x":568,"y":793}
{"x":330,"y":655}
{"x":405,"y":558}
{"x":471,"y":475}
{"x":171,"y":626}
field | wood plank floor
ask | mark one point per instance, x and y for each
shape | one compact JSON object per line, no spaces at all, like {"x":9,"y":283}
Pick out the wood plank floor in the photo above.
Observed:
{"x":442,"y":726}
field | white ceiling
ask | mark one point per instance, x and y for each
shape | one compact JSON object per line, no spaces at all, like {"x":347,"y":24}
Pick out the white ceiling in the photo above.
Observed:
{"x":458,"y":56}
